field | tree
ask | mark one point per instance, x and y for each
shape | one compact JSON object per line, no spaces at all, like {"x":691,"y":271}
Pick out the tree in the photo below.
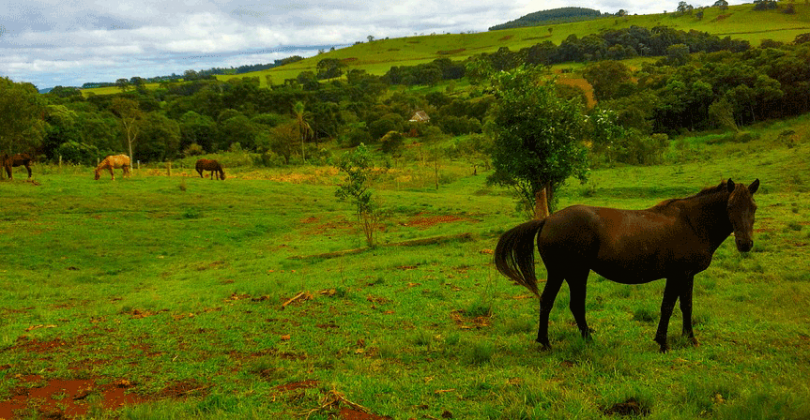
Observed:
{"x":21,"y":126}
{"x":330,"y":68}
{"x":358,"y":167}
{"x":128,"y":111}
{"x":304,"y":130}
{"x":536,"y":138}
{"x":607,"y":77}
{"x":122,"y":84}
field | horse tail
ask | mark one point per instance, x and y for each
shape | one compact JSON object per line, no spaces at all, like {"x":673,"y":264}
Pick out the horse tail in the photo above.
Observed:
{"x":514,"y":255}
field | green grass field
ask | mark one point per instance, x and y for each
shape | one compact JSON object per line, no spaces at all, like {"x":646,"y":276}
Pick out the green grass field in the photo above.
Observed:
{"x":169,"y":293}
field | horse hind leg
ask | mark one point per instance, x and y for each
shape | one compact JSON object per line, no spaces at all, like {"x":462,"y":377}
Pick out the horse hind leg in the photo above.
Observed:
{"x":546,"y":303}
{"x":577,"y":283}
{"x":29,"y":171}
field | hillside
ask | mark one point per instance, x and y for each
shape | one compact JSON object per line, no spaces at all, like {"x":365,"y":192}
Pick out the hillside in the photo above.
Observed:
{"x":377,"y":57}
{"x":545,"y":17}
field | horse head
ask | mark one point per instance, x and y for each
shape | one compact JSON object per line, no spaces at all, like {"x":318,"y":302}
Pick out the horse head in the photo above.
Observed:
{"x":741,"y":211}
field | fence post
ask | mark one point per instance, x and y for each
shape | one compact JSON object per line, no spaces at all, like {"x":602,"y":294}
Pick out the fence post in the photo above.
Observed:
{"x":169,"y":169}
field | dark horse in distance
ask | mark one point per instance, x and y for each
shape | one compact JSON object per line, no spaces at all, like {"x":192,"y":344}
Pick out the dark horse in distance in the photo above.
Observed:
{"x":674,"y":240}
{"x":210,"y":165}
{"x":12,"y":161}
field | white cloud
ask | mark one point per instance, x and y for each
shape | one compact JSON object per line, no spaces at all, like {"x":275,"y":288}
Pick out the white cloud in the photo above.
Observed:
{"x":69,"y":42}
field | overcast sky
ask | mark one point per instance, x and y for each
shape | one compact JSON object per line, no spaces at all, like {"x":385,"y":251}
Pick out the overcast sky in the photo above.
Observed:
{"x":70,"y":42}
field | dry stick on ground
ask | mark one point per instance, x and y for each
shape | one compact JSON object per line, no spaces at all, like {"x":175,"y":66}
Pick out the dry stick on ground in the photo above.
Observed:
{"x":303,"y":295}
{"x":332,"y":400}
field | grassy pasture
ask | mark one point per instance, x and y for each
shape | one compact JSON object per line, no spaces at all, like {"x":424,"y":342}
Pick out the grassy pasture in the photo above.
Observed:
{"x":171,"y":289}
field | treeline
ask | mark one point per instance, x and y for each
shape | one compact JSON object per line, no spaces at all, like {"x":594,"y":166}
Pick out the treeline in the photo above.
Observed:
{"x":201,"y":74}
{"x":636,"y":110}
{"x":544,"y":17}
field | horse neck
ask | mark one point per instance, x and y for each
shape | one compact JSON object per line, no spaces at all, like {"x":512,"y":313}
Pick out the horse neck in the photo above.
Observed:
{"x":708,"y":216}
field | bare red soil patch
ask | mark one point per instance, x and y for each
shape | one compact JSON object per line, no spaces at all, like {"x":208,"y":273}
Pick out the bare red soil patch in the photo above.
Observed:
{"x":352,"y":414}
{"x":292,"y":386}
{"x":65,"y":398}
{"x":423,"y":222}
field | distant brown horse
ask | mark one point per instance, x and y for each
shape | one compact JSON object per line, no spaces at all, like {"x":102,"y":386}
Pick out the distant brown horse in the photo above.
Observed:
{"x":113,"y":161}
{"x":210,"y":165}
{"x":674,"y":240}
{"x":12,"y":161}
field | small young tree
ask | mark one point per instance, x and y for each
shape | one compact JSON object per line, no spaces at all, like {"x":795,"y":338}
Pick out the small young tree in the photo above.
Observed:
{"x":357,"y":166}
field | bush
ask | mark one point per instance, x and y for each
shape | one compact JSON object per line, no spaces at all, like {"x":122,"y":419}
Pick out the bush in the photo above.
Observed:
{"x":79,"y":153}
{"x":392,"y":141}
{"x":355,"y":137}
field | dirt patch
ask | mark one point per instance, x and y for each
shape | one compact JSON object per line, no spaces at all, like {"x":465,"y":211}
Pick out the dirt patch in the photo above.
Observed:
{"x":469,"y":323}
{"x":423,"y":221}
{"x":349,"y":59}
{"x":36,"y":346}
{"x":183,"y":389}
{"x":292,"y":386}
{"x":66,"y":398}
{"x":506,"y":38}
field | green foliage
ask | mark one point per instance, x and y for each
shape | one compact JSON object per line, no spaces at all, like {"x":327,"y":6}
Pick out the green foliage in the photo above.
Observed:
{"x":21,"y":129}
{"x":79,"y":153}
{"x":537,"y":136}
{"x":357,"y":166}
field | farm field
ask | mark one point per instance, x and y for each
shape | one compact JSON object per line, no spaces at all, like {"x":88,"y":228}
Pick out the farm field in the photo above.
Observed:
{"x":161,"y":297}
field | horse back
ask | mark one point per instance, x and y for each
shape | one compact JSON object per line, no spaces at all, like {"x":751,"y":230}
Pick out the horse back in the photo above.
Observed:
{"x":628,"y":246}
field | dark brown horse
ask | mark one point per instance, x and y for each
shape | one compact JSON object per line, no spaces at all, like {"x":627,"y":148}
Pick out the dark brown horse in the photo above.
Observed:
{"x":674,"y":240}
{"x":210,"y":165}
{"x":12,"y":161}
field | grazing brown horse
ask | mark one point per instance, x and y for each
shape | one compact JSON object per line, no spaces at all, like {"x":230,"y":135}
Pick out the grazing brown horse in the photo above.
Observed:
{"x":12,"y":161}
{"x":210,"y":165}
{"x":114,"y":161}
{"x":674,"y":240}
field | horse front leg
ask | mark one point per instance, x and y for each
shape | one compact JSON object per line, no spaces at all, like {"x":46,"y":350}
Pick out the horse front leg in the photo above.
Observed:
{"x":29,"y":171}
{"x":686,"y":309}
{"x":546,"y":303}
{"x":112,"y":174}
{"x":671,"y":293}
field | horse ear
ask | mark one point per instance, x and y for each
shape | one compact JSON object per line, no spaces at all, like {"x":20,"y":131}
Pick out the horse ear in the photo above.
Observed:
{"x":754,"y":186}
{"x":730,"y":185}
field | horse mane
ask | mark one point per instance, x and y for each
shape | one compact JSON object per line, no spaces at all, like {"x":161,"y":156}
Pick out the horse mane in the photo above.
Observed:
{"x":704,"y":192}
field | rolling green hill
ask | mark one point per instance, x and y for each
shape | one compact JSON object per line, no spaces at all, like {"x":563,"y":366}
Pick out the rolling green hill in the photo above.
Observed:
{"x":739,"y":22}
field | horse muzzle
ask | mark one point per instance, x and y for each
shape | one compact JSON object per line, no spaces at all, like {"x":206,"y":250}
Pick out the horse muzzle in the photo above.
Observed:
{"x":744,"y":245}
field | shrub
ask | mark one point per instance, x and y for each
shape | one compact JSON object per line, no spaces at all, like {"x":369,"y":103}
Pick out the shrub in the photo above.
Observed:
{"x":79,"y":153}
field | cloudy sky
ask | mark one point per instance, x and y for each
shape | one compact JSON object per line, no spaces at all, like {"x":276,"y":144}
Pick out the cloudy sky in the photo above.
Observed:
{"x":70,"y":42}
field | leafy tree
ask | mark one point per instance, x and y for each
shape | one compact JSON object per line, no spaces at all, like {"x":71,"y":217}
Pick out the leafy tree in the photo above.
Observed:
{"x":330,"y":68}
{"x":21,"y":129}
{"x":357,"y":166}
{"x":197,"y":129}
{"x":536,"y":138}
{"x":129,"y":113}
{"x":159,"y":138}
{"x":722,"y":112}
{"x":607,"y":77}
{"x":283,"y":140}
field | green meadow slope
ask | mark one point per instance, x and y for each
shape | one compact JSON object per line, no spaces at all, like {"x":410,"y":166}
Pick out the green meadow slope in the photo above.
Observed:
{"x":739,"y":22}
